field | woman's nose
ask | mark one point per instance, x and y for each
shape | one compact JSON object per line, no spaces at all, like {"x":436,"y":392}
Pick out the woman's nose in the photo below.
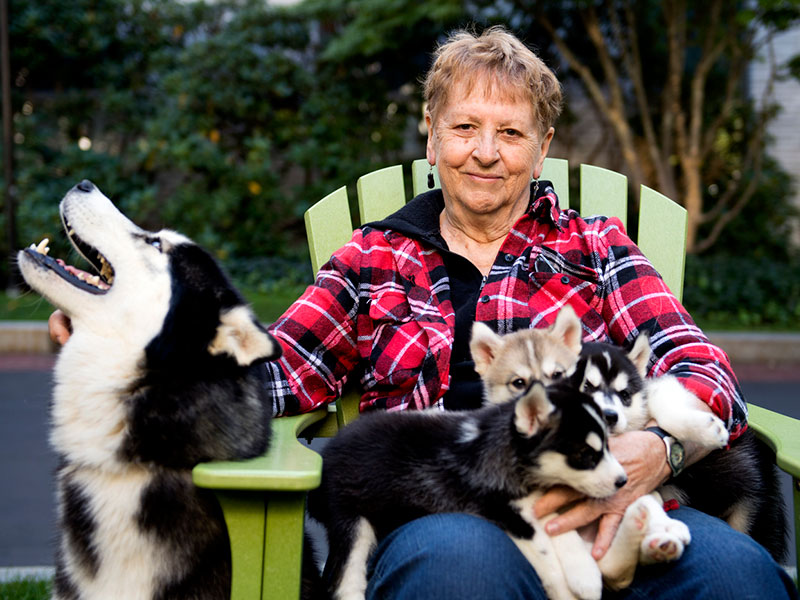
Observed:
{"x":486,"y":151}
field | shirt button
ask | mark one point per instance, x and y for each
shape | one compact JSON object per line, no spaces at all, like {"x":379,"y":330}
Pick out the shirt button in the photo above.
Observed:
{"x":564,"y":279}
{"x":509,"y":258}
{"x":484,"y":299}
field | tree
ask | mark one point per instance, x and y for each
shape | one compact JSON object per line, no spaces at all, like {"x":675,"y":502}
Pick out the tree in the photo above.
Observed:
{"x":669,"y":79}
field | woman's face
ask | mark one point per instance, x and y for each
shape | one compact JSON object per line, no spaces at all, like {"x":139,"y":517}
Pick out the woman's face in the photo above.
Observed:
{"x":487,"y":148}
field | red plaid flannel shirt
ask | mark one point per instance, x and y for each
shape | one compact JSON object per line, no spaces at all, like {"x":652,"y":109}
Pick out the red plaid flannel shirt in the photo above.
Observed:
{"x":380,"y":310}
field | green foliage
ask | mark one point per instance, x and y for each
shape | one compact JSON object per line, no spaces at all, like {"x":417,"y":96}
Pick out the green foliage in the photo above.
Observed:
{"x":227,"y":119}
{"x":743,"y":291}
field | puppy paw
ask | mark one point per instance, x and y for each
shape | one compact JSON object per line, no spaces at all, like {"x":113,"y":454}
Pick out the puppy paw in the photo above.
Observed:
{"x":665,"y":541}
{"x":716,"y":435}
{"x":586,"y":588}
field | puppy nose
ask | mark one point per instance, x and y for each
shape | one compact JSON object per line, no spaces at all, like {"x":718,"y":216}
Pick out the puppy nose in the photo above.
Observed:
{"x":621,"y":481}
{"x":611,"y":417}
{"x":85,"y":186}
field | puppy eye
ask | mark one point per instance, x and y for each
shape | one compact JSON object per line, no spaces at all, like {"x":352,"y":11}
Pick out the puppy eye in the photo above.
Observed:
{"x":518,"y":384}
{"x":155,"y":243}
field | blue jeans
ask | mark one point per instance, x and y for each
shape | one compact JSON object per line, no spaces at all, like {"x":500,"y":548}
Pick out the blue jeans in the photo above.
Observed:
{"x":461,"y":557}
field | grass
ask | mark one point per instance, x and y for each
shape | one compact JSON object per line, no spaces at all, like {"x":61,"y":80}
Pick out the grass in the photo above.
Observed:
{"x":25,"y":589}
{"x":31,"y":307}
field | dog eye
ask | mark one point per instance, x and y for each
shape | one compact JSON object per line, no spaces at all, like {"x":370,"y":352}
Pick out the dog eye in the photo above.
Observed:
{"x":556,"y":374}
{"x":518,"y":384}
{"x":155,"y":243}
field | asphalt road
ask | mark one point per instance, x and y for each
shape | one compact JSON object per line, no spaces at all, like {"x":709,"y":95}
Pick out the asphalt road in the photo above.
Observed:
{"x":26,"y":462}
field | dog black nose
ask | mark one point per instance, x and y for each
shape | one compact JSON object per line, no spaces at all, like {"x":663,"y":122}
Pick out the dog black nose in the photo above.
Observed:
{"x":621,"y":481}
{"x":85,"y":186}
{"x":611,"y":417}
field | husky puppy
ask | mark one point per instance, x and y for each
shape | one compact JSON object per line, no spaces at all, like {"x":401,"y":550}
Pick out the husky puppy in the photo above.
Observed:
{"x":735,"y":484}
{"x":162,"y":371}
{"x":543,"y":354}
{"x":389,"y":468}
{"x":738,"y":485}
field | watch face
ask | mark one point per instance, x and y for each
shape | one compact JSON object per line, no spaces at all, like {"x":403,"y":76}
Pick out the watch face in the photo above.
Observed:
{"x":676,"y":455}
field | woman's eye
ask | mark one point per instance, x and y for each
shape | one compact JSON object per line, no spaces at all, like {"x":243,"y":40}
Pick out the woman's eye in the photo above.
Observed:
{"x":557,"y":375}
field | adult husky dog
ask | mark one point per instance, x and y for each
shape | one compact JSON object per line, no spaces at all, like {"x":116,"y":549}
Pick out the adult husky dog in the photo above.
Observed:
{"x":161,"y":372}
{"x":389,"y":468}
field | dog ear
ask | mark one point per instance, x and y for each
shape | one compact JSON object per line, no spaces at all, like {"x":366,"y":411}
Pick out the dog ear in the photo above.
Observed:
{"x":484,"y":346}
{"x":243,"y":338}
{"x":533,"y":410}
{"x":567,"y":328}
{"x":640,"y":353}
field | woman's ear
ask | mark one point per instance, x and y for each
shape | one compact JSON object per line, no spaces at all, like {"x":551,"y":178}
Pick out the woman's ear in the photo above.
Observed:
{"x":430,"y":151}
{"x":543,"y":149}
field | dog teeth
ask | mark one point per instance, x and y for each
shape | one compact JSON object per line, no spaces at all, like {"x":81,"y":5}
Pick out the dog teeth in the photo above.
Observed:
{"x":42,"y":247}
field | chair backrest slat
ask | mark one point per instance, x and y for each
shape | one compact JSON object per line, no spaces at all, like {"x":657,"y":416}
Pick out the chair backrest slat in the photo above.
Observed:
{"x":380,"y":193}
{"x":662,"y":236}
{"x":556,"y":170}
{"x":328,"y":227}
{"x":603,"y":192}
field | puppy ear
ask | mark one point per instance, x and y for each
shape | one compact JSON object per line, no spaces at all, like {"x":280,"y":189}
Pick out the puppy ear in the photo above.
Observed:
{"x":533,"y":410}
{"x":243,"y":338}
{"x":640,"y":353}
{"x":484,"y":346}
{"x":567,"y":328}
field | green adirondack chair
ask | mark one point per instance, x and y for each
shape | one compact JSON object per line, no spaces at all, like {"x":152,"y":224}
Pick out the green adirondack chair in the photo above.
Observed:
{"x":263,"y":499}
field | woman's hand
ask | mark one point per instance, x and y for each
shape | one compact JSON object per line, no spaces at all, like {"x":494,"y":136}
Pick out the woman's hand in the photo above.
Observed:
{"x":60,"y":327}
{"x":643,"y":457}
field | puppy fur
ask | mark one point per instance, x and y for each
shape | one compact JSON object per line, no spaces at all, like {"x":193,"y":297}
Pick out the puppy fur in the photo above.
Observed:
{"x":389,"y":468}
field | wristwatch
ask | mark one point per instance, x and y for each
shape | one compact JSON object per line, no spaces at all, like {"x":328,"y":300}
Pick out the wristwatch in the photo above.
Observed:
{"x":676,"y":455}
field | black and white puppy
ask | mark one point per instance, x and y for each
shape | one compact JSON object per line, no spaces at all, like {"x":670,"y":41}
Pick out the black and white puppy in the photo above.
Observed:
{"x":739,"y":484}
{"x":389,"y":468}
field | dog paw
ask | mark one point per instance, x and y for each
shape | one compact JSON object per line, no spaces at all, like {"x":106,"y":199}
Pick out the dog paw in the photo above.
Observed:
{"x":587,"y":588}
{"x":665,"y":542}
{"x":716,"y":435}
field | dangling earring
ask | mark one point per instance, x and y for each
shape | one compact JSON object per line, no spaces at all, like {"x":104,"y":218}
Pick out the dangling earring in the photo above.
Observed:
{"x":535,"y":188}
{"x":431,"y":182}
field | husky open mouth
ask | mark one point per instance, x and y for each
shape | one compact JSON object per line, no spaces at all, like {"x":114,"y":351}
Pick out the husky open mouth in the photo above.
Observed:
{"x":99,"y":283}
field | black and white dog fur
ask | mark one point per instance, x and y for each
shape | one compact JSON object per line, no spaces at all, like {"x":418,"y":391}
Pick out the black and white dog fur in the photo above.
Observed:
{"x":736,"y":484}
{"x":739,"y":485}
{"x":162,"y":371}
{"x":389,"y":468}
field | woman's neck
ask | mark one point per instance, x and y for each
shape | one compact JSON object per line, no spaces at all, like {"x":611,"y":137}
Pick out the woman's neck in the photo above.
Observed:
{"x":477,"y":240}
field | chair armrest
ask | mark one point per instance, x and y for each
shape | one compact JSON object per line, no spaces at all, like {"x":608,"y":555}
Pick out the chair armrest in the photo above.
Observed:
{"x":781,"y":433}
{"x":287,"y":465}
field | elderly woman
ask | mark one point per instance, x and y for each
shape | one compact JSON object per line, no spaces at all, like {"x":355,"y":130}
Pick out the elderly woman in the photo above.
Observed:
{"x":395,"y":306}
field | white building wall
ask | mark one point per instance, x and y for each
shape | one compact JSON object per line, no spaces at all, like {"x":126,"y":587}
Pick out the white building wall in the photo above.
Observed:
{"x":784,"y":130}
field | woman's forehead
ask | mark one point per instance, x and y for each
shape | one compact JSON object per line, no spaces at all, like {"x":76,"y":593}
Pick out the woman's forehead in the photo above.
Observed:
{"x":465,"y":93}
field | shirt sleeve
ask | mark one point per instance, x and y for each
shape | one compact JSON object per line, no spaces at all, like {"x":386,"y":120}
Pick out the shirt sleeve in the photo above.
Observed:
{"x":637,"y":300}
{"x":317,"y":336}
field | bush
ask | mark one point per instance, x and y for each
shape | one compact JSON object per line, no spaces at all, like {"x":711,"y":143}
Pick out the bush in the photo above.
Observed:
{"x":743,"y":292}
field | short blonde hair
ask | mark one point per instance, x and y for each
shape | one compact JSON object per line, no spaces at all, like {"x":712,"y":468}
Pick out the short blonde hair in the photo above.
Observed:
{"x":498,"y":56}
